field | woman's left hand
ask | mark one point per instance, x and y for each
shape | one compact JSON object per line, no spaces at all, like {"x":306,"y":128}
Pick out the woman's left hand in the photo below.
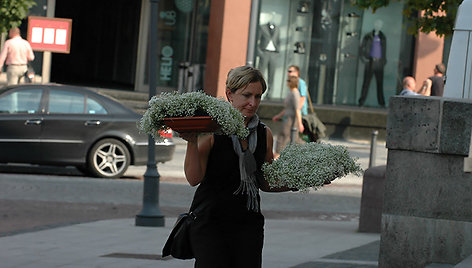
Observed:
{"x":301,"y":128}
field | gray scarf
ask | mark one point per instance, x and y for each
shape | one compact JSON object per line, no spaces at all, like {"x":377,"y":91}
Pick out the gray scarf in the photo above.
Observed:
{"x":248,"y":166}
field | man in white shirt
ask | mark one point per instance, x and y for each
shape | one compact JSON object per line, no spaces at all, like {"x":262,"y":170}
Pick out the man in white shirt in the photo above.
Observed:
{"x":15,"y":55}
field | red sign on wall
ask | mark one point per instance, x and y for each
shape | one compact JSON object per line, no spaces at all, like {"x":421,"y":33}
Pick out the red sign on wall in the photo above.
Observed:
{"x":49,"y":34}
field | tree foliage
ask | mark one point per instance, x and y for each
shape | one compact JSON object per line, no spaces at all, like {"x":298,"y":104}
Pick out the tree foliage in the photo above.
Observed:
{"x":12,"y":12}
{"x":439,"y":15}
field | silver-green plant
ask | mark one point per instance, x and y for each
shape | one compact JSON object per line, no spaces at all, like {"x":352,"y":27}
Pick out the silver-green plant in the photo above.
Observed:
{"x":310,"y":165}
{"x":173,"y":104}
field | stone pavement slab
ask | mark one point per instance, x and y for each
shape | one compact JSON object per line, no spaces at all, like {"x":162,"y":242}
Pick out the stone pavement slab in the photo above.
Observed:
{"x":120,"y":244}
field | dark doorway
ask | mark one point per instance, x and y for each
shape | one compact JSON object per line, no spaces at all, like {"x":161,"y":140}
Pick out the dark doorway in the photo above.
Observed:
{"x":104,"y":43}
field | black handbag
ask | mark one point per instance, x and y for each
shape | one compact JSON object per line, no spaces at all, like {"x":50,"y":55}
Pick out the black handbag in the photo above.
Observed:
{"x":178,"y":243}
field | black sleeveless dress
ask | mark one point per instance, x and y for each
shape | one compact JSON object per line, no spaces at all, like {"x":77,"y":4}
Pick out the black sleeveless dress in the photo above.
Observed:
{"x":225,"y":233}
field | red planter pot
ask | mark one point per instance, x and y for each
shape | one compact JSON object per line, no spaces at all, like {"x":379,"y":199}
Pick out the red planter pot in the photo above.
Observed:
{"x":192,"y":124}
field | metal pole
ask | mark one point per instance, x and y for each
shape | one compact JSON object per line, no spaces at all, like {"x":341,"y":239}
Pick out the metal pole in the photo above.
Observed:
{"x":47,"y":55}
{"x":253,"y":22}
{"x":150,"y":214}
{"x":373,"y":146}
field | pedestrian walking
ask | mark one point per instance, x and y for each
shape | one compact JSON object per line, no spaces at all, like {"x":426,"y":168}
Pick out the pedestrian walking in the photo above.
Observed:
{"x":292,"y":119}
{"x":15,"y":55}
{"x":294,"y":70}
{"x":229,"y":230}
{"x":314,"y":128}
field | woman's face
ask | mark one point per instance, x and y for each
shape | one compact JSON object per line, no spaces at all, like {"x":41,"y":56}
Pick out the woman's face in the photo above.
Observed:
{"x":247,"y":99}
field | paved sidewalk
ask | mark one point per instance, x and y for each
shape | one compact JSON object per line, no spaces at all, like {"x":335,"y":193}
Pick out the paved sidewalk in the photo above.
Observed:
{"x":303,"y":242}
{"x":119,"y":243}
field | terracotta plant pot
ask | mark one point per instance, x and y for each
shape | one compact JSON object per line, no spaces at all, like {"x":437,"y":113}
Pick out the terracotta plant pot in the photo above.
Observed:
{"x":192,"y":124}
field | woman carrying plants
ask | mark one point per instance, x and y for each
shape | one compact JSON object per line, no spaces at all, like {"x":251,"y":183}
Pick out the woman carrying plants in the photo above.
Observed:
{"x":228,"y":230}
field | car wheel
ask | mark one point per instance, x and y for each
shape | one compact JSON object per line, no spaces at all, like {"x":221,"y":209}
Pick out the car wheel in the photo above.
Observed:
{"x":108,"y":158}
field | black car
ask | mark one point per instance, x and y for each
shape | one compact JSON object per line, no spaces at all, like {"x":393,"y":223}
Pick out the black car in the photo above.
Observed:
{"x":67,"y":125}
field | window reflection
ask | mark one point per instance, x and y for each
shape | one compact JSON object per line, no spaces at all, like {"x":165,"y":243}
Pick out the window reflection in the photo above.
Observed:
{"x":66,"y":102}
{"x":93,"y":107}
{"x":25,"y":101}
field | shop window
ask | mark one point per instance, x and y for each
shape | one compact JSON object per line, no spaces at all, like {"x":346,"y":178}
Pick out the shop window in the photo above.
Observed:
{"x":182,"y":43}
{"x":347,"y":56}
{"x":283,"y":38}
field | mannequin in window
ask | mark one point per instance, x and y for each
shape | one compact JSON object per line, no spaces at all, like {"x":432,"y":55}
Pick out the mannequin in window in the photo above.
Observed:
{"x":373,"y":54}
{"x":268,"y":48}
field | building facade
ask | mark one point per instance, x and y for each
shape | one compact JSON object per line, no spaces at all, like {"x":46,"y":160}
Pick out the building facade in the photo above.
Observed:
{"x":200,"y":40}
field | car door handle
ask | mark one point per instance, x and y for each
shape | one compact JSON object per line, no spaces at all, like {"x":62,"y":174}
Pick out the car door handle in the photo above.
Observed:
{"x":93,"y":123}
{"x":33,"y":122}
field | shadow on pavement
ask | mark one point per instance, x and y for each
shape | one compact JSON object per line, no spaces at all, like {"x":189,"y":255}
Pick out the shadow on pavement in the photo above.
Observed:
{"x":359,"y":257}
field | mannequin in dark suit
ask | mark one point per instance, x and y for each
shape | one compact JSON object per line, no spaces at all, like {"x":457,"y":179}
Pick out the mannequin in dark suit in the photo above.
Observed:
{"x":268,"y":51}
{"x":373,"y":54}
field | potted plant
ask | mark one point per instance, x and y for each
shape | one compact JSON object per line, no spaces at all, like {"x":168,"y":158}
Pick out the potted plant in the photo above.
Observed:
{"x":310,"y":165}
{"x":192,"y":112}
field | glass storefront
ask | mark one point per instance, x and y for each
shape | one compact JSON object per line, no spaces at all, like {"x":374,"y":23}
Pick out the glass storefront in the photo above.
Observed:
{"x":182,"y":43}
{"x":347,"y":56}
{"x":283,"y":38}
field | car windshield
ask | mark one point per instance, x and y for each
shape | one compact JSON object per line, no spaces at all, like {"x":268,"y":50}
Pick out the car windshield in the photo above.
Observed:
{"x":24,"y":101}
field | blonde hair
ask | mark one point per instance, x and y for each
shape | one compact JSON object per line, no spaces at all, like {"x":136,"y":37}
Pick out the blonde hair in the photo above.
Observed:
{"x":242,"y":76}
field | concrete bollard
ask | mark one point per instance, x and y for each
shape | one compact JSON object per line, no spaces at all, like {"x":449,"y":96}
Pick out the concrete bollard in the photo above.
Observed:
{"x":372,"y":200}
{"x":373,"y":148}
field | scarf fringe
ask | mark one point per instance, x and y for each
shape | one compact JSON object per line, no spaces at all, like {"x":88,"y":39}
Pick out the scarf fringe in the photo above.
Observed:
{"x":248,"y":187}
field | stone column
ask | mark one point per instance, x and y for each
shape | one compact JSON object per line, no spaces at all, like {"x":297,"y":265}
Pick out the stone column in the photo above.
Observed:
{"x":427,"y":210}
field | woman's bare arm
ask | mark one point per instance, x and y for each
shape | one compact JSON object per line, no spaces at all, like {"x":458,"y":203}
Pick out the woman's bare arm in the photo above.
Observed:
{"x":196,"y":157}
